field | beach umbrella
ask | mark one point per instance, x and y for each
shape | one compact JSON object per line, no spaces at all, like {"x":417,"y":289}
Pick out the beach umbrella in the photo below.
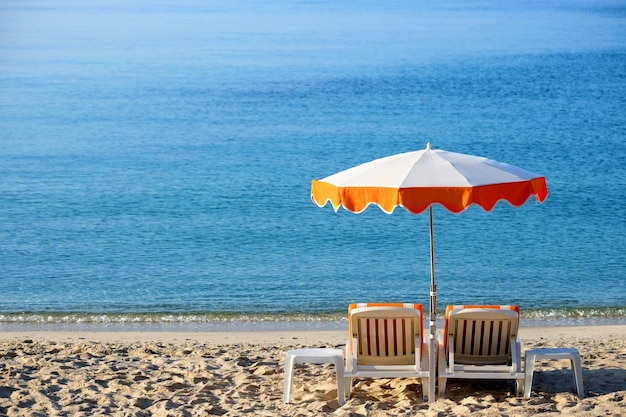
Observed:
{"x":416,"y":181}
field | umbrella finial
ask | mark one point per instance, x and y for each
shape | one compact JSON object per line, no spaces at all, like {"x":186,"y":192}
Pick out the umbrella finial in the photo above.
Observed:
{"x":428,"y":146}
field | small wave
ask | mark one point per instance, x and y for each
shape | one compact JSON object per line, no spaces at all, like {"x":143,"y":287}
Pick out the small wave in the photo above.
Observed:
{"x":575,"y":313}
{"x":528,"y":315}
{"x":160,"y":318}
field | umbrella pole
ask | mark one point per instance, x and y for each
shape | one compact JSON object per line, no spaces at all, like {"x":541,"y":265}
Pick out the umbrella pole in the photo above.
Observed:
{"x":432,"y":354}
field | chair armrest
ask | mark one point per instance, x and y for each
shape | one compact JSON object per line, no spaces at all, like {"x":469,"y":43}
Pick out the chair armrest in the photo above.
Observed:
{"x":516,"y":354}
{"x":351,"y":355}
{"x":441,"y":353}
{"x":423,"y":365}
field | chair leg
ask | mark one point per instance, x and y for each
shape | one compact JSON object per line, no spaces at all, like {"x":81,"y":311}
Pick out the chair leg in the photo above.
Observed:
{"x":578,"y":377}
{"x":529,"y":370}
{"x":288,"y":378}
{"x":347,"y":386}
{"x":341,"y":383}
{"x":519,"y":387}
{"x":425,"y":387}
{"x":442,"y":385}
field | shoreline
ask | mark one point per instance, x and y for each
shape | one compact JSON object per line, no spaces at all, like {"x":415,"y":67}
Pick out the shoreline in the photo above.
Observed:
{"x":236,"y":325}
{"x":285,"y":337}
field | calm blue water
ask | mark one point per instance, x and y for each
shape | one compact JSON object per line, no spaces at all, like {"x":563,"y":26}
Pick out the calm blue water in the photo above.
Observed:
{"x":156,"y":157}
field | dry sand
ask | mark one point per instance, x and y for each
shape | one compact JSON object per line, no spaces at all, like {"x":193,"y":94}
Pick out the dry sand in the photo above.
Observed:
{"x":232,"y":374}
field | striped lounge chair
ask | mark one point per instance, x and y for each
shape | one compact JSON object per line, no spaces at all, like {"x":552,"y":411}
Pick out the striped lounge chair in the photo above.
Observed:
{"x":386,"y":341}
{"x":480,"y":342}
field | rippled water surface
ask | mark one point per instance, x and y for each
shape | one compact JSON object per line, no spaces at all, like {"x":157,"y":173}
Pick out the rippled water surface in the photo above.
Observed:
{"x":156,"y":157}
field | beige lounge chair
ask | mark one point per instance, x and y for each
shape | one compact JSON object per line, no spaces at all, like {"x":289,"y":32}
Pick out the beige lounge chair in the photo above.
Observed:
{"x":386,"y":341}
{"x":480,"y":342}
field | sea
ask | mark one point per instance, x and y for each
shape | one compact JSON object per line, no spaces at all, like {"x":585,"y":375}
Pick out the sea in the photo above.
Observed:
{"x":156,"y":159}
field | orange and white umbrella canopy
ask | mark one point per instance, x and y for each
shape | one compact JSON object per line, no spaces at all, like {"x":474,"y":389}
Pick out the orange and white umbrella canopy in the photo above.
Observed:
{"x":416,"y":180}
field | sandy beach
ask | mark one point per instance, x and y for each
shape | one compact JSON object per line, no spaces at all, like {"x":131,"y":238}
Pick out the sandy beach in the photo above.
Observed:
{"x":232,"y":374}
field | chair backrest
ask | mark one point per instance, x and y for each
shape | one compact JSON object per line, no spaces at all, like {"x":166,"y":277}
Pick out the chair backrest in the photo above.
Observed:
{"x":385,"y":332}
{"x":481,"y":335}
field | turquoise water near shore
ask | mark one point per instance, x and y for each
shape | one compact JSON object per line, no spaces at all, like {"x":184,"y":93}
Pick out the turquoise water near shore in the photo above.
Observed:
{"x":156,"y":158}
